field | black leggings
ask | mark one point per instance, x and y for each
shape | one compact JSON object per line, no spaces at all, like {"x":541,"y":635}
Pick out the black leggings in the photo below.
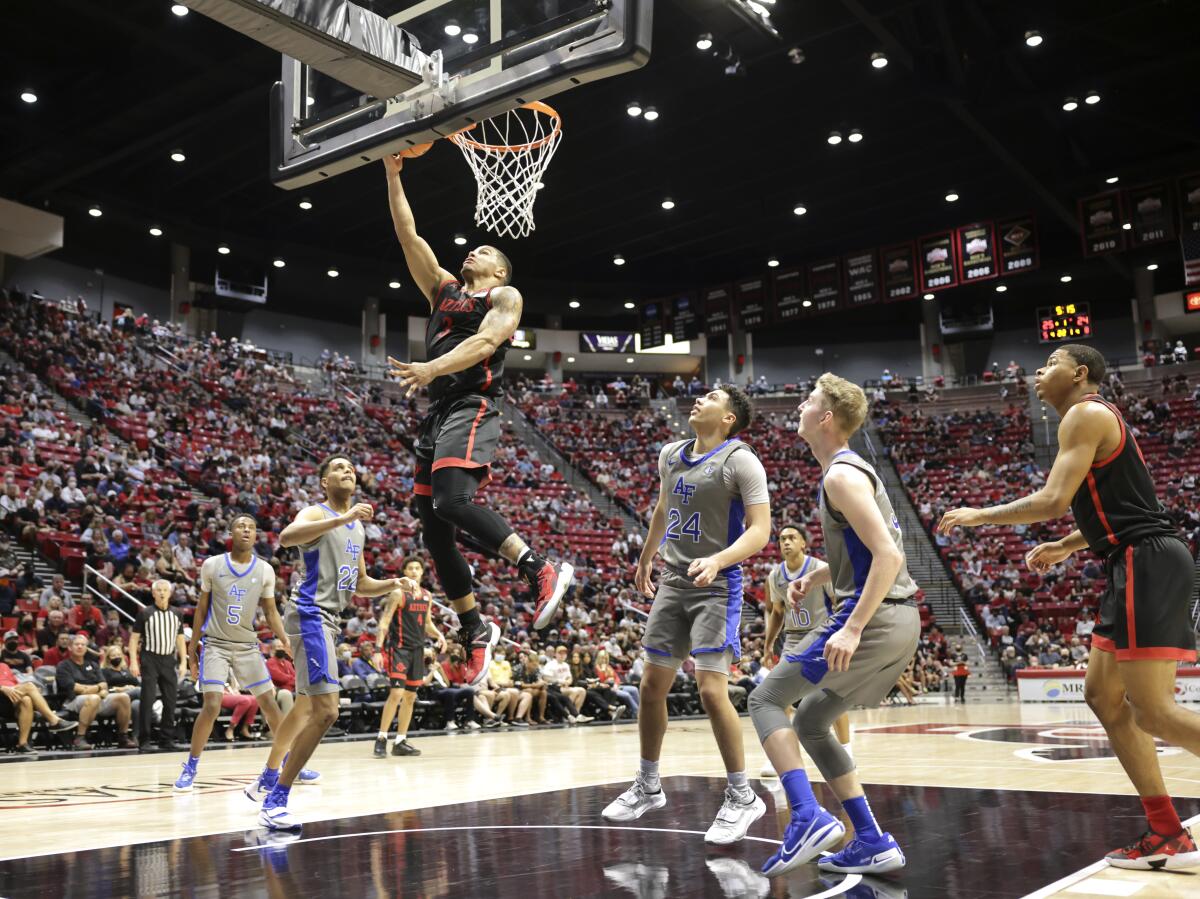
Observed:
{"x":452,"y":508}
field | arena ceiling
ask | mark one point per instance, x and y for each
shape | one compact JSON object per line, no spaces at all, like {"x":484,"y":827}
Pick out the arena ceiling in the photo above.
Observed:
{"x":964,"y":105}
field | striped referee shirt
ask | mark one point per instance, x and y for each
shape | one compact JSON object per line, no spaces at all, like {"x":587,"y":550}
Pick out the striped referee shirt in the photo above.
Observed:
{"x":158,"y":629}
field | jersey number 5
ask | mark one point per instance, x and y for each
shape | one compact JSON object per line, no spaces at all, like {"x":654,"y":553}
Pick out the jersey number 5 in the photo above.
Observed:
{"x":691,"y":527}
{"x":233,"y":614}
{"x":347,"y":578}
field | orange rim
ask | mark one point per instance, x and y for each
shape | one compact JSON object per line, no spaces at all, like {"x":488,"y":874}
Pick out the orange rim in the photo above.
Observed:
{"x":460,"y":137}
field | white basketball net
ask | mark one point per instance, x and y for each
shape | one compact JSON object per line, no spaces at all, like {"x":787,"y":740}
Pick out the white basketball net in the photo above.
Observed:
{"x":508,"y":154}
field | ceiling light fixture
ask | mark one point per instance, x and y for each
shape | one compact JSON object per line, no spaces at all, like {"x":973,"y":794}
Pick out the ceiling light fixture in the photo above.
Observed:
{"x":29,"y":96}
{"x":459,"y":239}
{"x":95,"y":212}
{"x":618,"y":259}
{"x":1066,"y":279}
{"x":333,"y":273}
{"x":879,"y":60}
{"x":929,"y":296}
{"x":278,"y":263}
{"x":772,"y":262}
{"x":1033,"y":38}
{"x":155,"y":231}
{"x":179,"y":9}
{"x":835,"y":138}
{"x":668,"y":203}
{"x":452,"y":29}
{"x":704,"y":42}
{"x":223,"y":249}
{"x":177,"y":156}
{"x":1126,"y":227}
{"x":1152,"y":267}
{"x":629,"y":360}
{"x":806,"y":303}
{"x":951,"y":196}
{"x":1112,"y":179}
{"x":1000,"y":288}
{"x":528,"y":358}
{"x":394,"y":285}
{"x":470,"y":37}
{"x":1092,"y":98}
{"x":306,"y":204}
{"x":574,"y":304}
{"x":1070,"y":104}
{"x":634,"y":109}
{"x":651,"y":114}
{"x":855,"y":136}
{"x":570,"y":358}
{"x":629,"y":304}
{"x":799,"y":209}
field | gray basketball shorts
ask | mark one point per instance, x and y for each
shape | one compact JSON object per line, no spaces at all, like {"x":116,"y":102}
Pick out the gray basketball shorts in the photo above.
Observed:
{"x":702,"y":622}
{"x":312,"y":639}
{"x":886,"y":647}
{"x":219,"y":657}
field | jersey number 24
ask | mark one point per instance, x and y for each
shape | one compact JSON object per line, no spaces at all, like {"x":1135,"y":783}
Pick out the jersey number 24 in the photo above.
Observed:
{"x":691,"y":527}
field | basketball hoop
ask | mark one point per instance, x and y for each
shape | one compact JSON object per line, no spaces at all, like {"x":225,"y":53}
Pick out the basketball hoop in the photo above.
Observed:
{"x":508,"y":154}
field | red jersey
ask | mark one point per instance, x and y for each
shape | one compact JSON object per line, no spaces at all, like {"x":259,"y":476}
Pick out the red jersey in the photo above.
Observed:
{"x":456,"y":316}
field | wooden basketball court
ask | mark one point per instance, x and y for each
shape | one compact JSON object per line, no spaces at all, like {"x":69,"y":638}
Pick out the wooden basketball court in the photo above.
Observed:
{"x":986,"y":800}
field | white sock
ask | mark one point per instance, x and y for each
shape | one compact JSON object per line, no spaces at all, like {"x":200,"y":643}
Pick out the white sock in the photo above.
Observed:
{"x":649,"y":774}
{"x":382,"y":735}
{"x":737,"y":780}
{"x":400,"y":738}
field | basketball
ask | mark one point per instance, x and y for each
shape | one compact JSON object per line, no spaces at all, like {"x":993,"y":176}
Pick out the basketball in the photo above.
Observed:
{"x":659,"y":495}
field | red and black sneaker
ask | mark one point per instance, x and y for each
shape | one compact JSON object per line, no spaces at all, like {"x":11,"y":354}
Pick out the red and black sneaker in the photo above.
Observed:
{"x":1153,"y":851}
{"x":480,"y":653}
{"x":549,"y":586}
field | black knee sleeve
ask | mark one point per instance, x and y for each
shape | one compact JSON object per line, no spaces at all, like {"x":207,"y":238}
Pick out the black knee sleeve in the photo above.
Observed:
{"x":454,"y":501}
{"x":439,"y":537}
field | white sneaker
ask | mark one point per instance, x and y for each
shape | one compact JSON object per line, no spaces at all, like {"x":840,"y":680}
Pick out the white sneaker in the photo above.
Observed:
{"x":738,"y":879}
{"x":451,"y":725}
{"x":768,"y":770}
{"x":279,"y":818}
{"x":635,"y":802}
{"x":583,"y":719}
{"x":473,"y":725}
{"x":735,"y":817}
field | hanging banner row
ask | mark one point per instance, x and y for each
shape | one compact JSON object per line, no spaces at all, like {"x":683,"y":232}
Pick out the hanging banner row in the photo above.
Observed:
{"x":1119,"y":220}
{"x":890,"y":274}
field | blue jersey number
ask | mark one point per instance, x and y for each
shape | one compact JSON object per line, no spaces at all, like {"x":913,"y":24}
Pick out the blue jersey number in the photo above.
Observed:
{"x":347,"y":578}
{"x":691,"y":527}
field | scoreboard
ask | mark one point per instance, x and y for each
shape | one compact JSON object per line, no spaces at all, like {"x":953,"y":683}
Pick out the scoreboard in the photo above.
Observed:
{"x":1068,"y":321}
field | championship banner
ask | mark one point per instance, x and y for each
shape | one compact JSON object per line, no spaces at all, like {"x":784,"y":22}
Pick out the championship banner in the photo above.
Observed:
{"x":938,"y":266}
{"x":1017,"y":238}
{"x":825,"y":285}
{"x":977,"y":256}
{"x":789,"y":294}
{"x":685,"y":319}
{"x":1150,"y":213}
{"x":652,"y":325}
{"x":1100,"y":219}
{"x":750,"y":299}
{"x":1189,"y":203}
{"x":899,"y":272}
{"x":862,"y":278}
{"x":717,"y":309}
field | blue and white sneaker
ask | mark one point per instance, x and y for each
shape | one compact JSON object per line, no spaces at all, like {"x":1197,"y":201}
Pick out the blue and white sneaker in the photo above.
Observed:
{"x":804,"y":840}
{"x":307,"y":777}
{"x":262,"y":785}
{"x":859,"y":857}
{"x":275,"y":814}
{"x":184,"y":782}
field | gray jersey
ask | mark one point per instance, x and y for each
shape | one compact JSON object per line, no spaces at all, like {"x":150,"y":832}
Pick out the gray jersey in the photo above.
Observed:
{"x":706,"y":499}
{"x":331,"y":568}
{"x":849,"y":559}
{"x":233,"y":596}
{"x":815,"y":608}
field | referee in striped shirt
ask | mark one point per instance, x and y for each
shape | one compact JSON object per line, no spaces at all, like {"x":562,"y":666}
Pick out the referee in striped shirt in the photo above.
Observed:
{"x":158,"y":633}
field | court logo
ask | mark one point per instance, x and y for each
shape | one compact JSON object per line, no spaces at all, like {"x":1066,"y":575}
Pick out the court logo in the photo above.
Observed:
{"x":1068,"y":741}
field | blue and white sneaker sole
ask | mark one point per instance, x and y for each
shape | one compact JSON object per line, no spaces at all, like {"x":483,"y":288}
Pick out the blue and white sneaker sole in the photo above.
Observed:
{"x":308,"y":781}
{"x":889,"y":860}
{"x":487,"y":659}
{"x":566,"y":574}
{"x":255,"y":793}
{"x":279,"y":819}
{"x":810,"y":846}
{"x":182,"y":789}
{"x":756,"y":811}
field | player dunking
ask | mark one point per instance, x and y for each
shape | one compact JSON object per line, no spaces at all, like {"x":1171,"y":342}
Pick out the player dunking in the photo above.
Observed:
{"x":405,"y":624}
{"x":233,"y":587}
{"x":472,"y":318}
{"x":330,"y":537}
{"x":796,"y":620}
{"x":854,"y":658}
{"x":713,"y":512}
{"x":1144,"y":628}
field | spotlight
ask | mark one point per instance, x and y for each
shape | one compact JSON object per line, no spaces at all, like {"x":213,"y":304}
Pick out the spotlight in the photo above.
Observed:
{"x":951,"y":196}
{"x":394,"y":285}
{"x":306,"y":204}
{"x":634,"y":109}
{"x":452,"y":29}
{"x":1070,"y":104}
{"x":772,"y":262}
{"x":1112,"y":179}
{"x":1092,"y":98}
{"x":28,"y":96}
{"x":528,"y":358}
{"x":651,"y":114}
{"x":278,"y":263}
{"x":855,"y":136}
{"x":1152,"y":267}
{"x":179,"y":9}
{"x":574,"y":304}
{"x":1066,"y":279}
{"x":629,"y":304}
{"x":929,"y":296}
{"x":470,"y":37}
{"x":1033,"y":38}
{"x":835,"y":138}
{"x":704,"y":42}
{"x":1000,"y":288}
{"x":799,"y":209}
{"x":879,"y":60}
{"x":668,"y":203}
{"x":223,"y":249}
{"x":459,"y":239}
{"x":333,"y":273}
{"x":95,"y":212}
{"x":806,"y":303}
{"x":177,"y":156}
{"x":629,"y":359}
{"x":155,"y":231}
{"x":570,"y":358}
{"x":618,"y":259}
{"x":1126,"y":227}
